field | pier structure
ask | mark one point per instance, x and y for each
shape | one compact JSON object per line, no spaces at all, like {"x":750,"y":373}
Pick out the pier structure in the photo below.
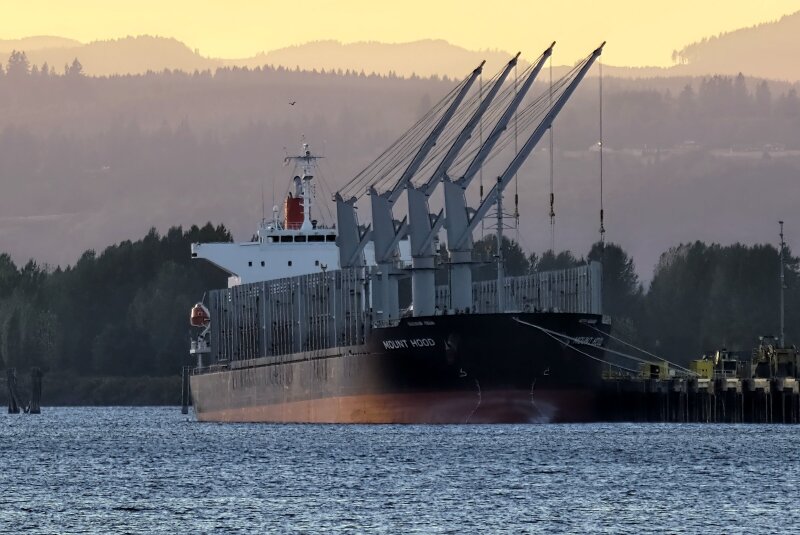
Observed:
{"x":719,"y":388}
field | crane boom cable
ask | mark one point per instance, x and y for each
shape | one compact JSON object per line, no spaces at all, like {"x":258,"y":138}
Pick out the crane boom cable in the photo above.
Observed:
{"x":501,"y":125}
{"x":602,"y":211}
{"x":437,"y":155}
{"x":406,"y":152}
{"x":552,"y":190}
{"x":533,"y":112}
{"x":525,"y":151}
{"x":446,"y":138}
{"x":516,"y":175}
{"x":462,"y":130}
{"x":400,"y":144}
{"x":480,"y":171}
{"x":495,"y":112}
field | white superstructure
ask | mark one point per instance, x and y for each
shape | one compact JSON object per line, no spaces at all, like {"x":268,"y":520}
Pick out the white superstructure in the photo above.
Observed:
{"x":287,"y":247}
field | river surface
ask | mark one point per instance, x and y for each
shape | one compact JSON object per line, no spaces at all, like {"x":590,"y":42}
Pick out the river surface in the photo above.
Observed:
{"x":153,"y":470}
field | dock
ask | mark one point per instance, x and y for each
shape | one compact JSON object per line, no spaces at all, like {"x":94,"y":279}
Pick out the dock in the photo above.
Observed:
{"x":719,"y":388}
{"x":681,"y":400}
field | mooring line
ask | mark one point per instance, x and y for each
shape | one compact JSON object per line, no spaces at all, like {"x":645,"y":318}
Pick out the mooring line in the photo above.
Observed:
{"x":552,"y":334}
{"x":621,"y":341}
{"x":607,"y":350}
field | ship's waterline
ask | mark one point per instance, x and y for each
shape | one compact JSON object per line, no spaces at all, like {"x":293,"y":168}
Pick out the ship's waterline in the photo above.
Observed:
{"x":477,"y":407}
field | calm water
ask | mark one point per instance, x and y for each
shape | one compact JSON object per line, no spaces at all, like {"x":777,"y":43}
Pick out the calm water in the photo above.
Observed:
{"x":153,"y":470}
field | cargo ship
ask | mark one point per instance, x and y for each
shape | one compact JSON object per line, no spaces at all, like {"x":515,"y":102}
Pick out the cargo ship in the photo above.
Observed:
{"x":311,"y":327}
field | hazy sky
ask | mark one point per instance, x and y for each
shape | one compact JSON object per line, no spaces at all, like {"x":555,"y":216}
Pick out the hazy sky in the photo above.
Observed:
{"x":639,"y":32}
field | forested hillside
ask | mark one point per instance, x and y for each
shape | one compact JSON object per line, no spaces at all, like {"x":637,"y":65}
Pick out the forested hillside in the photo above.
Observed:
{"x":120,"y":312}
{"x":88,"y":161}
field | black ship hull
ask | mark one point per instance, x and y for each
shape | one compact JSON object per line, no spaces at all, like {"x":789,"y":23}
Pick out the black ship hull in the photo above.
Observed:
{"x":475,"y":368}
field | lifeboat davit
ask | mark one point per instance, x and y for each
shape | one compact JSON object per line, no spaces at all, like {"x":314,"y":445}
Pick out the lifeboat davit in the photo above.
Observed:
{"x":200,"y":316}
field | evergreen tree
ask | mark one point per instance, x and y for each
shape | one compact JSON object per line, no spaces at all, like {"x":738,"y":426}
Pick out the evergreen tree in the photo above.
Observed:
{"x":763,"y":99}
{"x":74,"y":70}
{"x":622,"y":292}
{"x":550,"y":260}
{"x":515,"y":262}
{"x":18,"y":65}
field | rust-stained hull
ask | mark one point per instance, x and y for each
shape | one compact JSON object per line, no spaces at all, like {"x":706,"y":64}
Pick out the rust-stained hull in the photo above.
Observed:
{"x":507,"y":406}
{"x":439,"y":370}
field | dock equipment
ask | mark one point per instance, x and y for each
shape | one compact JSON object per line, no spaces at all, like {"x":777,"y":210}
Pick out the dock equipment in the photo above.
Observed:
{"x":723,"y":388}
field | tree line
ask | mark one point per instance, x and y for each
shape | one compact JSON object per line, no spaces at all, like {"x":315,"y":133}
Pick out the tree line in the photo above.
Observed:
{"x":124,"y":312}
{"x":702,"y":297}
{"x":121,"y":312}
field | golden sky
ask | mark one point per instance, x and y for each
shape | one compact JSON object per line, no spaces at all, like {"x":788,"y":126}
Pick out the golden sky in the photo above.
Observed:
{"x":639,"y":32}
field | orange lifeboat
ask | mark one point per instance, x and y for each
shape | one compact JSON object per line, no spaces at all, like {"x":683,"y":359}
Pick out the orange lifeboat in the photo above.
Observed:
{"x":200,"y":316}
{"x":293,"y":212}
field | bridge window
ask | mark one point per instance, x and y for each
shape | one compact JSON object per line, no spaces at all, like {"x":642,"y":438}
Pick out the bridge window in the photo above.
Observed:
{"x":289,"y":263}
{"x":250,"y":264}
{"x":330,"y":237}
{"x":300,"y":238}
{"x":262,"y":263}
{"x":316,"y":238}
{"x":286,"y":239}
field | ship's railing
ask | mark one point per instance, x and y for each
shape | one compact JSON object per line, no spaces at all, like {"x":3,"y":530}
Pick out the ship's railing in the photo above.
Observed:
{"x":331,"y":309}
{"x":577,"y":289}
{"x":291,"y":315}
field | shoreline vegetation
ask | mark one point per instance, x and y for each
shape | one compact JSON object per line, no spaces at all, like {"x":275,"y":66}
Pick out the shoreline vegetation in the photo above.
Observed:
{"x":113,"y":329}
{"x":70,"y":390}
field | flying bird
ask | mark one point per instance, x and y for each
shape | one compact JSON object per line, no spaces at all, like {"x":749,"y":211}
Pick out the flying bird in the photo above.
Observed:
{"x":292,"y":102}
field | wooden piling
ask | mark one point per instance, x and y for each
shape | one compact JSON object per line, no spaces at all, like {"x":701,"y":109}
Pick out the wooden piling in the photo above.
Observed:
{"x":13,"y":398}
{"x":34,"y":407}
{"x":185,"y":389}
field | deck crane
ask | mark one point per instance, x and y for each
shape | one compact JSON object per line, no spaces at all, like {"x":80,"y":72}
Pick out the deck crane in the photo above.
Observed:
{"x":455,"y":201}
{"x":353,"y":237}
{"x":386,"y":232}
{"x":460,"y":225}
{"x":423,"y":225}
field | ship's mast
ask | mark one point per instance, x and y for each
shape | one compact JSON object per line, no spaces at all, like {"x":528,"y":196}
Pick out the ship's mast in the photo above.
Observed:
{"x":307,"y":161}
{"x":783,"y":245}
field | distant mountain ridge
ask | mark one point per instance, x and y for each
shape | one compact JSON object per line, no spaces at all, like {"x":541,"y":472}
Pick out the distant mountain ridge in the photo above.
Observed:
{"x":425,"y":58}
{"x":37,"y":42}
{"x":767,"y":50}
{"x":128,"y":55}
{"x":764,"y":51}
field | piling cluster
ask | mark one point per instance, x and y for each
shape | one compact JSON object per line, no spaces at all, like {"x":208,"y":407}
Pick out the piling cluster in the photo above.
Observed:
{"x":720,"y":400}
{"x":15,"y":404}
